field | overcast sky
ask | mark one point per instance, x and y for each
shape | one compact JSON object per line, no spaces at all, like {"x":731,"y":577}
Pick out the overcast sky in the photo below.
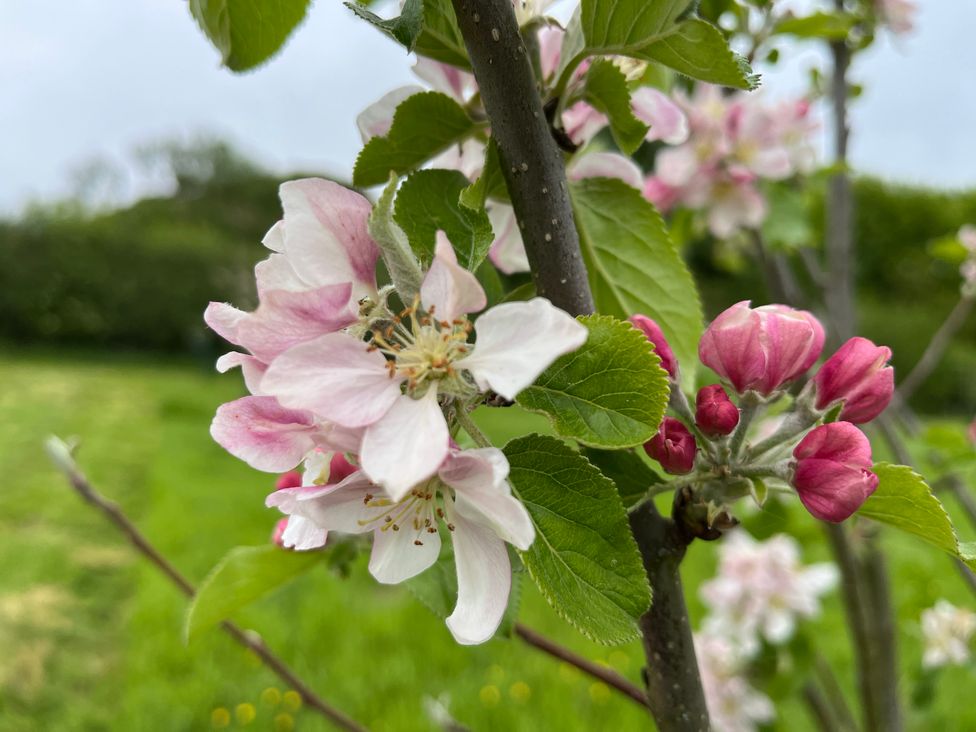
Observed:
{"x":95,"y":78}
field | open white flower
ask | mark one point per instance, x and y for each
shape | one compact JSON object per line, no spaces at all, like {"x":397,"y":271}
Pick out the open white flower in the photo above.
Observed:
{"x":391,"y":385}
{"x":469,"y":497}
{"x":948,"y":631}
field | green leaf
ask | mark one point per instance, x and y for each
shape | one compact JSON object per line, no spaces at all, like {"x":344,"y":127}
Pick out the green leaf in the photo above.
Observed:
{"x":423,"y":125}
{"x":606,"y":90}
{"x":634,"y":267}
{"x":490,"y":184}
{"x":440,"y":38}
{"x":245,"y":574}
{"x":632,"y":476}
{"x":430,"y":200}
{"x":395,"y":249}
{"x":405,"y":28}
{"x":611,"y":392}
{"x":788,"y":224}
{"x":665,"y":31}
{"x":247,"y":32}
{"x":831,"y":26}
{"x":905,"y":501}
{"x":584,"y":558}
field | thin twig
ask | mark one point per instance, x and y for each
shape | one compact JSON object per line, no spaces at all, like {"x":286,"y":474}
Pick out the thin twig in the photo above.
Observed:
{"x":819,"y":708}
{"x":834,"y":693}
{"x":602,"y":673}
{"x":936,"y":348}
{"x":61,"y":456}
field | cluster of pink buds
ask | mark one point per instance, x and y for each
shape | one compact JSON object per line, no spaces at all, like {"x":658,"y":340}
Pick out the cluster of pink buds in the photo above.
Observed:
{"x":759,"y":353}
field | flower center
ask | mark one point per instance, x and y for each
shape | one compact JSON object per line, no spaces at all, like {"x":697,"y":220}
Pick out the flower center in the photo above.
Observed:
{"x":422,"y":349}
{"x":417,"y":512}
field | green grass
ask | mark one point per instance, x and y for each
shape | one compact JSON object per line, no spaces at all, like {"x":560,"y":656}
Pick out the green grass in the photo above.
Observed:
{"x":90,"y":634}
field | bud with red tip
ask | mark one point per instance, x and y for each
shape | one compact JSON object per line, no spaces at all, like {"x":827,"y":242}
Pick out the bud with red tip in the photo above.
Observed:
{"x":833,"y":471}
{"x":715,"y":414}
{"x":859,"y":376}
{"x":278,"y":537}
{"x":673,"y":446}
{"x":340,"y":468}
{"x":761,"y":349}
{"x":655,"y":335}
{"x":291,"y":479}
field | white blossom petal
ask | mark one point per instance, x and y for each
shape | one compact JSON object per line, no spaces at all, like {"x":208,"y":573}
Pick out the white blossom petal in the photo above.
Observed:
{"x":407,"y":445}
{"x":396,"y":557}
{"x":448,"y":288}
{"x":377,"y":118}
{"x":606,"y":165}
{"x":507,"y":250}
{"x":301,"y":534}
{"x":517,"y":341}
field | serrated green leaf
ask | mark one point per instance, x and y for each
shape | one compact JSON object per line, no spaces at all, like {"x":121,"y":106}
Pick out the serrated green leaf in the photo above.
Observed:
{"x":247,"y":32}
{"x":831,"y":26}
{"x":244,"y":575}
{"x":584,"y":558}
{"x":905,"y":501}
{"x":423,"y":125}
{"x":634,"y":267}
{"x":611,"y":392}
{"x":665,"y":31}
{"x":632,"y":476}
{"x":405,"y":28}
{"x":607,"y":91}
{"x":400,"y":261}
{"x":429,"y":200}
{"x":491,"y":182}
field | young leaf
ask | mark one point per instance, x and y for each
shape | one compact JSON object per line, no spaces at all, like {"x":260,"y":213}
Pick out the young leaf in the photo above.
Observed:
{"x":247,"y":32}
{"x":634,"y":267}
{"x":606,"y":90}
{"x":428,"y":27}
{"x":632,"y":476}
{"x":666,"y":31}
{"x":429,"y":200}
{"x":399,"y":259}
{"x":490,"y":182}
{"x":404,"y":28}
{"x":905,"y":501}
{"x":245,"y":574}
{"x":584,"y":558}
{"x":611,"y":392}
{"x":423,"y":125}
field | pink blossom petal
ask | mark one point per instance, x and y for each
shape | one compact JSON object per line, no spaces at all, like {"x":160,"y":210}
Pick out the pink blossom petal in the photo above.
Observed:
{"x":484,"y":581}
{"x":507,"y":251}
{"x":275,"y":238}
{"x":550,"y":48}
{"x":667,"y":122}
{"x":407,"y":445}
{"x":224,"y":320}
{"x":336,"y":377}
{"x":326,"y":237}
{"x":396,"y":557}
{"x":483,"y":494}
{"x":262,"y":433}
{"x":517,"y":341}
{"x":445,"y":78}
{"x":341,"y":507}
{"x":581,"y":122}
{"x":448,"y":288}
{"x":377,"y":118}
{"x":606,"y":165}
{"x":276,"y":273}
{"x":252,"y":369}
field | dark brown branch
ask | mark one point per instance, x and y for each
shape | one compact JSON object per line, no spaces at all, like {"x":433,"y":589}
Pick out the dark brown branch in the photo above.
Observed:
{"x":936,"y":348}
{"x":531,"y":161}
{"x":602,"y":673}
{"x":249,"y":639}
{"x":674,"y":688}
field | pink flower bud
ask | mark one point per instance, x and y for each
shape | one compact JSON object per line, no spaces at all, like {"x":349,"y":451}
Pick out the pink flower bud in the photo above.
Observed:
{"x":715,"y":414}
{"x":279,"y":530}
{"x":673,"y":446}
{"x":857,"y":375}
{"x":291,"y":479}
{"x":761,"y":349}
{"x":655,"y":335}
{"x":340,"y":468}
{"x":833,"y":471}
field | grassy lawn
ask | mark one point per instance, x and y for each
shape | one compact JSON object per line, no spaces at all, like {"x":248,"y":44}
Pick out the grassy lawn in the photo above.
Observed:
{"x":90,"y":634}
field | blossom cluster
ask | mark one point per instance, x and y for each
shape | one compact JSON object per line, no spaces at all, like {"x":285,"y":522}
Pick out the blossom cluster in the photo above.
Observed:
{"x":758,"y":353}
{"x":760,"y":591}
{"x":367,"y":396}
{"x":735,"y":142}
{"x":948,"y":632}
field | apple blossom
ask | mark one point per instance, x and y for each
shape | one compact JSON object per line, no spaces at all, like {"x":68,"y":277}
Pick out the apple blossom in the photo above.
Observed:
{"x":833,"y":474}
{"x":733,"y":703}
{"x":948,"y":631}
{"x":390,"y":386}
{"x":898,"y":15}
{"x":673,"y":447}
{"x":468,"y":495}
{"x":859,"y":377}
{"x":761,"y":349}
{"x":715,"y":414}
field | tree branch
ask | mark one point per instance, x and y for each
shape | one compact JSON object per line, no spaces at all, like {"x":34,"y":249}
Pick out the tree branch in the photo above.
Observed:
{"x":936,"y":348}
{"x":601,"y":673}
{"x":61,"y":456}
{"x":531,"y":161}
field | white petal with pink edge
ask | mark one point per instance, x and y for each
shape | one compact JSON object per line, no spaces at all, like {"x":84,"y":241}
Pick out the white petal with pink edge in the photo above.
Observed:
{"x":340,"y":507}
{"x":667,"y":121}
{"x":606,"y":165}
{"x":507,"y":251}
{"x":377,"y":118}
{"x":253,"y":369}
{"x":448,"y":288}
{"x":335,"y":376}
{"x":264,"y":434}
{"x":301,"y":534}
{"x":517,"y":341}
{"x":407,"y":445}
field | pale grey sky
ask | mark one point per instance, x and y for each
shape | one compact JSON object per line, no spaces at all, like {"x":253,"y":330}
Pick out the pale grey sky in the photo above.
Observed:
{"x":95,"y":78}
